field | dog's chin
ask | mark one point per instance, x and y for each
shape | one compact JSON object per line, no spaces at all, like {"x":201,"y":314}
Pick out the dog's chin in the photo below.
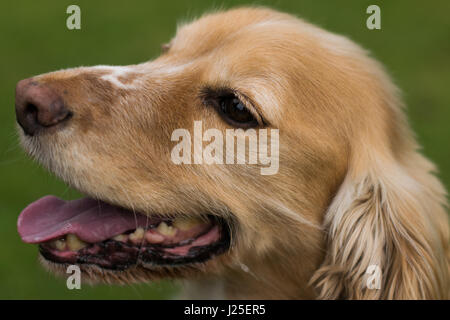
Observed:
{"x":94,"y":275}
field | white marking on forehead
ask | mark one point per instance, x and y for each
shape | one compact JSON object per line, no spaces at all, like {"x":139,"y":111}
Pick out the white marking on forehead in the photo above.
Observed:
{"x":158,"y":69}
{"x":115,"y":72}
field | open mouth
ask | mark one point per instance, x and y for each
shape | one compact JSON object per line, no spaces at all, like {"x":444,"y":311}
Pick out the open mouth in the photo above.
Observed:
{"x":90,"y":231}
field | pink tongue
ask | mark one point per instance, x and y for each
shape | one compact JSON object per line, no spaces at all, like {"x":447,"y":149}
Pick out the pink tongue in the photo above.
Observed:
{"x":91,"y":220}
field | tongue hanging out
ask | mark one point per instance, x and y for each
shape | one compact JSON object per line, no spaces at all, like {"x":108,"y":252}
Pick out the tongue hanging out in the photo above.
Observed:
{"x":94,"y":232}
{"x":91,"y":220}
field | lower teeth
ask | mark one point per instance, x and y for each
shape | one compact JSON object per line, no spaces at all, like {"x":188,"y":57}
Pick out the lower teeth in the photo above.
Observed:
{"x":73,"y":243}
{"x":166,"y":230}
{"x":184,"y":224}
{"x":137,"y":235}
{"x":60,"y":244}
{"x":121,"y":238}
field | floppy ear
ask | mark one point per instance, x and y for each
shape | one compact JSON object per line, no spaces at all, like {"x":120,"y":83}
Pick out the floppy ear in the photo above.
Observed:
{"x":388,"y":233}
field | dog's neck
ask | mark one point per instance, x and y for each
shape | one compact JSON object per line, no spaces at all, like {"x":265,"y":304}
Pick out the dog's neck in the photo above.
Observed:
{"x":271,"y":278}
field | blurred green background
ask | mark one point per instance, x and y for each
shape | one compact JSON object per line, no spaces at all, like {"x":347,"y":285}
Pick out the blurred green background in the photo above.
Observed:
{"x":414,"y":44}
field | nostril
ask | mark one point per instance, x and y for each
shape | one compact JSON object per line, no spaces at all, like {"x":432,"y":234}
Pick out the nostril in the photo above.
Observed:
{"x":27,"y":117}
{"x":31,"y":109}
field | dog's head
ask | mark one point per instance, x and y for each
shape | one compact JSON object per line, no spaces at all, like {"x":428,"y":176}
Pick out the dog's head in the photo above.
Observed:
{"x":170,"y":196}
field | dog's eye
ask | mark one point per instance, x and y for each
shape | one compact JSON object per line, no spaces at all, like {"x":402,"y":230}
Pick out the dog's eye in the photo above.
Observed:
{"x":236,"y":113}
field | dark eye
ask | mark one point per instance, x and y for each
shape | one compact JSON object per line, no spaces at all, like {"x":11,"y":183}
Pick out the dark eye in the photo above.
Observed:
{"x":236,"y":113}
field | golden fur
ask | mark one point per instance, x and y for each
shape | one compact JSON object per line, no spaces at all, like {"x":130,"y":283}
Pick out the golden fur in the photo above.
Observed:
{"x":352,"y":189}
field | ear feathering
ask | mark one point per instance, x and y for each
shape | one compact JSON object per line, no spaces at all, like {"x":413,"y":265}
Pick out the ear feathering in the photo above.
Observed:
{"x":392,"y":219}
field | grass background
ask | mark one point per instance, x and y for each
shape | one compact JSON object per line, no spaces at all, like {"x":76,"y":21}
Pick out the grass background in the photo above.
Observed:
{"x":414,"y":44}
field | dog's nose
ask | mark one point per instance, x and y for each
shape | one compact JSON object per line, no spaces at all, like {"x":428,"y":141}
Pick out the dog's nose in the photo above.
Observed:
{"x":38,"y":107}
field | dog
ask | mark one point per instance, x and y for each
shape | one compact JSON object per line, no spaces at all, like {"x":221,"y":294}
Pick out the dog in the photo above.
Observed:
{"x":353,"y":212}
